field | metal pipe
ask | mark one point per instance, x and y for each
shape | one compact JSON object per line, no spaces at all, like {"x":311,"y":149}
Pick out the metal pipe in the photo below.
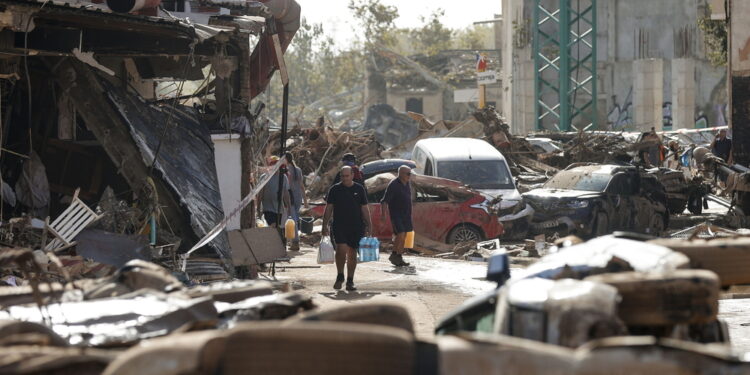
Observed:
{"x":284,"y":114}
{"x":152,"y":233}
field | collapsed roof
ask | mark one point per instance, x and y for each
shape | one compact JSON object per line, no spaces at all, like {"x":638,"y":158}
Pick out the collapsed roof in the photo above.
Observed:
{"x":100,"y":60}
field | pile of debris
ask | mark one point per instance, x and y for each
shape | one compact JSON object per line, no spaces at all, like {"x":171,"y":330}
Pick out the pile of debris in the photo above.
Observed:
{"x":49,"y":319}
{"x":318,"y":151}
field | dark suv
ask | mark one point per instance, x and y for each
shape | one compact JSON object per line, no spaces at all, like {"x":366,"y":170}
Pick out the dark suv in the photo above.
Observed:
{"x":593,"y":200}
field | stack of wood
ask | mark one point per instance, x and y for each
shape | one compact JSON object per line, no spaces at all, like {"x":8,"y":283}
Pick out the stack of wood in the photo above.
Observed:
{"x":519,"y":153}
{"x":318,"y":151}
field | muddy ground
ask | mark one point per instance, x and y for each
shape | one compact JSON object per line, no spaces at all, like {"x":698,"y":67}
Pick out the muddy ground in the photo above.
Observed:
{"x":437,"y":286}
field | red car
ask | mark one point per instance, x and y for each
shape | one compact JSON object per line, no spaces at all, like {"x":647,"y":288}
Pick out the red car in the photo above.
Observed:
{"x":443,"y":210}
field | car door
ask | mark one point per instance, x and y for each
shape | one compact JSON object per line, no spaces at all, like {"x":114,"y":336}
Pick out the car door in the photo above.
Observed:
{"x":620,"y":199}
{"x":381,"y":226}
{"x":646,"y":207}
{"x":433,"y":214}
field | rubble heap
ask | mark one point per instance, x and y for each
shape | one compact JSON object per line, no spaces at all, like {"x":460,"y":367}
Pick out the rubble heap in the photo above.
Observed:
{"x":318,"y":151}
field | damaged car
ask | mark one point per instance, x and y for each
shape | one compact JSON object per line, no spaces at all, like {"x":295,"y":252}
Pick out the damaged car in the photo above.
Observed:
{"x":443,"y":210}
{"x":593,"y":200}
{"x":481,"y":167}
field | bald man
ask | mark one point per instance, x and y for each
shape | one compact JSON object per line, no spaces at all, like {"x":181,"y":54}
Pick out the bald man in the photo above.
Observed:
{"x":397,"y":202}
{"x":347,"y":203}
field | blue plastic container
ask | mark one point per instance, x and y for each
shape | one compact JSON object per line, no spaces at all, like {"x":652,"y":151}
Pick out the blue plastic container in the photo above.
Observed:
{"x":369,"y":250}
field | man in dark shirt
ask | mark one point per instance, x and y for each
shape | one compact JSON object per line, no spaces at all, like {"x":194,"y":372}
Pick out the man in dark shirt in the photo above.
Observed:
{"x":722,"y":146}
{"x":347,"y":202}
{"x":349,"y":160}
{"x":397,"y":201}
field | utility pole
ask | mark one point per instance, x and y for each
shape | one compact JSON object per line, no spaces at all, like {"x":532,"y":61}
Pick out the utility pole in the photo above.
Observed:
{"x":739,"y":83}
{"x":564,"y":52}
{"x":481,"y":68}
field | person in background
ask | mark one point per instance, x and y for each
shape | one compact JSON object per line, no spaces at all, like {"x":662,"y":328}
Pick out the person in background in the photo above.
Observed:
{"x":347,"y":203}
{"x":673,"y":155}
{"x":722,"y":146}
{"x":397,"y":201}
{"x":349,"y":160}
{"x":270,"y":199}
{"x":298,"y":196}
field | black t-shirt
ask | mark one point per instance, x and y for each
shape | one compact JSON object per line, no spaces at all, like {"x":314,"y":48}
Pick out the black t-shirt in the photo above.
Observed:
{"x":347,"y":205}
{"x":722,"y":147}
{"x":358,"y":178}
{"x":398,"y":198}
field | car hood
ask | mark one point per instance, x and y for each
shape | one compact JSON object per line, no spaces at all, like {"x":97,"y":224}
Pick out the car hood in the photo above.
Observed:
{"x":509,"y":197}
{"x":544,"y":194}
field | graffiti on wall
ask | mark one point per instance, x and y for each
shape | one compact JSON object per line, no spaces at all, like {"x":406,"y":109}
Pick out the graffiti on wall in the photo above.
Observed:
{"x":666,"y":115}
{"x":620,"y":116}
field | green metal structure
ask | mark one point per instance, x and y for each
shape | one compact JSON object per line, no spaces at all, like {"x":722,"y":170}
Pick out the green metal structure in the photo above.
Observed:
{"x":564,"y":48}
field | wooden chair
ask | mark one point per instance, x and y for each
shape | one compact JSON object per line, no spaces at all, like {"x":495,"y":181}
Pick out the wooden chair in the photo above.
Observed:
{"x":67,"y":226}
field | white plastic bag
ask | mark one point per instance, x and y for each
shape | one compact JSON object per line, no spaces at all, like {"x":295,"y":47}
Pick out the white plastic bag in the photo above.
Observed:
{"x":326,"y":253}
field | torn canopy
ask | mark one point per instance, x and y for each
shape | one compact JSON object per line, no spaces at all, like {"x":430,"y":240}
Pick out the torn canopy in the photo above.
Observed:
{"x":185,"y":161}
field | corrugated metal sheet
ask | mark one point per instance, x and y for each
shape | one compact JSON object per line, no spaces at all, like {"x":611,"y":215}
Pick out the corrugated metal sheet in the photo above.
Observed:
{"x":185,"y":161}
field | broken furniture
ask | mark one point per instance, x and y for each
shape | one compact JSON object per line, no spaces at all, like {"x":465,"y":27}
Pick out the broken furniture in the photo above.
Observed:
{"x":70,"y":222}
{"x":256,"y":246}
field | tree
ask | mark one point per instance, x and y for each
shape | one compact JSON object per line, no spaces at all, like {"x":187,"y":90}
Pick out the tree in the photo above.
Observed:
{"x":475,"y":37}
{"x":433,"y":36}
{"x":376,"y":20}
{"x":715,"y":39}
{"x":316,"y":70}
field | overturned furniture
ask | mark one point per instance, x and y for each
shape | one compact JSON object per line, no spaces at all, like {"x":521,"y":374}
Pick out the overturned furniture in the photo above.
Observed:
{"x":69,"y":224}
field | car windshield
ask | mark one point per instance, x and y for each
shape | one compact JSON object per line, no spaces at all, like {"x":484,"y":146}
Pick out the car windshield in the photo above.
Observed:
{"x":477,"y":174}
{"x":579,"y":180}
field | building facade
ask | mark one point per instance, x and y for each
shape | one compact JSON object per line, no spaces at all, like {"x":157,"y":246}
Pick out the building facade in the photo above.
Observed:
{"x":651,"y":66}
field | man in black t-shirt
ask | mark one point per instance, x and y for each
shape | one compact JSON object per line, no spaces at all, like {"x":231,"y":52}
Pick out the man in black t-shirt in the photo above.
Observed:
{"x":722,"y":146}
{"x":347,"y":202}
{"x":397,"y":202}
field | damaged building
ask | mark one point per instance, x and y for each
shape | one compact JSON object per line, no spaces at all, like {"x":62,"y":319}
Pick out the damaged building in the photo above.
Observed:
{"x":96,"y":101}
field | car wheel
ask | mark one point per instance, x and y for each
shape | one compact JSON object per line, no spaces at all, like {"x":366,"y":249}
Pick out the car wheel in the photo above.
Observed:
{"x":602,"y":224}
{"x":464,"y":233}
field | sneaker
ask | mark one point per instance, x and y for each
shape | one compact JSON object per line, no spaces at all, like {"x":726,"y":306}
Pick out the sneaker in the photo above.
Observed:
{"x":350,"y":286}
{"x":294,"y":246}
{"x":397,"y":260}
{"x":339,"y":281}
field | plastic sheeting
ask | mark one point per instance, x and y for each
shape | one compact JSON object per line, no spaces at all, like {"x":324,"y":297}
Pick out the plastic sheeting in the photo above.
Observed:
{"x":32,"y":188}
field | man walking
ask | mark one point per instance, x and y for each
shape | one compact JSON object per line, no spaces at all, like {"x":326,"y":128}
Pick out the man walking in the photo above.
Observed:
{"x":347,"y":202}
{"x":397,"y":201}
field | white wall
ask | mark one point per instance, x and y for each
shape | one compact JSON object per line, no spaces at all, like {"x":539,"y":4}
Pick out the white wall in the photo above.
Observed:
{"x":229,"y":172}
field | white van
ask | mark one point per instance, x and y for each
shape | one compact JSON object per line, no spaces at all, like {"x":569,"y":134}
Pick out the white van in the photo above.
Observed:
{"x":480,"y":166}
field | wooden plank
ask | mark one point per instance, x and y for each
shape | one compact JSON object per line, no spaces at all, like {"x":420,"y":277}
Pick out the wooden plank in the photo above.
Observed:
{"x":71,"y":225}
{"x":430,"y":247}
